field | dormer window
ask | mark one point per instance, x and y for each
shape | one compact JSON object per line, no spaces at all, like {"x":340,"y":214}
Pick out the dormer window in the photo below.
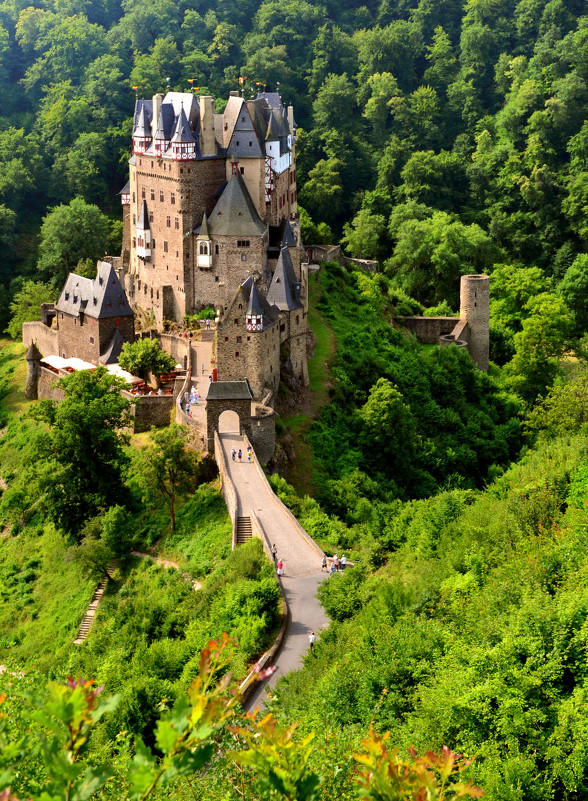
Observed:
{"x":100,"y":280}
{"x":95,"y":301}
{"x":67,"y":295}
{"x":75,"y":298}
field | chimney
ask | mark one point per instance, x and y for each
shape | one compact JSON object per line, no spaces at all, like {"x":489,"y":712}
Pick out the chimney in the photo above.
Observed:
{"x":157,"y":101}
{"x":207,"y":138}
{"x":234,"y":93}
{"x":222,"y":298}
{"x":291,"y":119}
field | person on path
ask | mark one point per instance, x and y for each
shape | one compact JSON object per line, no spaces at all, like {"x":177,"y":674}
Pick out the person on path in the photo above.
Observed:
{"x":249,"y":452}
{"x":210,"y":378}
{"x":336,"y":561}
{"x":208,"y":323}
{"x":239,"y":454}
{"x":324,"y":563}
{"x":203,"y":368}
{"x":333,"y":568}
{"x":188,"y":409}
{"x":233,"y":454}
{"x":311,"y":639}
{"x":343,"y":561}
{"x":274,"y":552}
{"x":280,"y":568}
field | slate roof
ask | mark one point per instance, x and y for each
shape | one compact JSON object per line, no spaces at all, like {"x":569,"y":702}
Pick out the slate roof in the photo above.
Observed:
{"x":270,"y":313}
{"x":113,"y":348}
{"x":33,"y":353}
{"x":142,"y":118}
{"x":126,"y":190}
{"x":235,"y":213}
{"x":229,"y":390}
{"x":187,"y":102}
{"x":165,"y":125}
{"x":230,"y":117}
{"x":254,"y":306}
{"x":99,"y":297}
{"x":273,"y":99}
{"x":244,"y":142}
{"x":203,"y":231}
{"x":284,"y":291}
{"x":182,"y":132}
{"x":143,"y":221}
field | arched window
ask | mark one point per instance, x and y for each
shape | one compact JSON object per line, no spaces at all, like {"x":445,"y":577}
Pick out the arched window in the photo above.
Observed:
{"x":204,"y":249}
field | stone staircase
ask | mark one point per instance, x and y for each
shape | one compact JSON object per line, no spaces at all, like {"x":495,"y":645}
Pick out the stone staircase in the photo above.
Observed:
{"x":243,"y":529}
{"x":86,"y":623}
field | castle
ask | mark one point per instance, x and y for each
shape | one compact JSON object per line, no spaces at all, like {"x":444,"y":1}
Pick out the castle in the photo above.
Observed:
{"x":210,"y":219}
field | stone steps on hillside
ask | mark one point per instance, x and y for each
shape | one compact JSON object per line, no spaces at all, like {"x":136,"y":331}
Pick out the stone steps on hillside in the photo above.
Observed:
{"x":88,"y":619}
{"x":243,"y":530}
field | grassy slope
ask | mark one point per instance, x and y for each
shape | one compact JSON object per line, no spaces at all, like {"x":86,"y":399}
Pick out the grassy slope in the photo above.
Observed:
{"x":300,"y":472}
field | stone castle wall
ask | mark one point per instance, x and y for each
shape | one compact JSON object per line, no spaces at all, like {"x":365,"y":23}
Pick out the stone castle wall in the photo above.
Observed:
{"x":475,"y":308}
{"x":429,"y":329}
{"x":258,"y":358}
{"x":88,"y":340}
{"x":150,"y":410}
{"x":45,"y":338}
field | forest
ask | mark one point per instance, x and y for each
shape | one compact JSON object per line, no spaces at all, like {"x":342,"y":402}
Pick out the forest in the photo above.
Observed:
{"x":441,"y":139}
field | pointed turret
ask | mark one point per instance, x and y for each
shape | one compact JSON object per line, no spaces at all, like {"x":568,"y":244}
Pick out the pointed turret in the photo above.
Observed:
{"x":204,"y":246}
{"x":143,"y":233}
{"x":254,"y":314}
{"x":284,"y":291}
{"x":183,"y":142}
{"x":142,"y":132}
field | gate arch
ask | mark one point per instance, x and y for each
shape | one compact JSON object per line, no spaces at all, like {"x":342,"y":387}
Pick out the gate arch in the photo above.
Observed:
{"x":227,"y":396}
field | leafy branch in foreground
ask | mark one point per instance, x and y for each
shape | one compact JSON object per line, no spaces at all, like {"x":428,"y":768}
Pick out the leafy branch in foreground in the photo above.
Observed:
{"x":186,"y":737}
{"x":386,"y":777}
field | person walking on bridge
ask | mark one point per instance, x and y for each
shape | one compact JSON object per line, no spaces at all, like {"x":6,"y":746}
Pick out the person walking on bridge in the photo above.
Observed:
{"x":280,"y":568}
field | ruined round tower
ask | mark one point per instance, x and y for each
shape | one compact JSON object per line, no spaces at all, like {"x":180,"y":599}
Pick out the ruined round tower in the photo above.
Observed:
{"x":475,"y":309}
{"x":33,"y":358}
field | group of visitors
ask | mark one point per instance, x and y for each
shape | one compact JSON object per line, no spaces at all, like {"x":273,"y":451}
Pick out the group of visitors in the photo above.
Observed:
{"x":190,"y":399}
{"x":279,"y":563}
{"x":336,"y":563}
{"x":238,"y":454}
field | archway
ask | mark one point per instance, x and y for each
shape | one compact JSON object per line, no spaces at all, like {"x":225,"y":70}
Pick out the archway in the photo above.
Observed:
{"x":228,"y":423}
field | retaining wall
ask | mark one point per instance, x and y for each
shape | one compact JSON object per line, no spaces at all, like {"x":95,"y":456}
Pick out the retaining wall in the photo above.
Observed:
{"x":429,"y":329}
{"x":45,"y":338}
{"x":227,"y":486}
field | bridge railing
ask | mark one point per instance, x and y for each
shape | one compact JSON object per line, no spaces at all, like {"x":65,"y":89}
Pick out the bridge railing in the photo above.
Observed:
{"x":227,"y":486}
{"x":281,"y":508}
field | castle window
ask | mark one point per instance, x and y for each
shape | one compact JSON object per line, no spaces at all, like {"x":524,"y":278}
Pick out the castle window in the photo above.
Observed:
{"x":248,"y":339}
{"x":165,"y":245}
{"x":75,"y":298}
{"x":216,"y":278}
{"x":238,"y":340}
{"x":161,"y":195}
{"x":150,"y":216}
{"x":237,"y":143}
{"x":204,"y":249}
{"x":226,"y":339}
{"x":240,"y":305}
{"x":237,"y":354}
{"x":177,"y":253}
{"x":143,"y":193}
{"x":243,"y":257}
{"x":172,"y":198}
{"x":133,"y":197}
{"x":151,"y":165}
{"x":242,"y":119}
{"x":250,"y":144}
{"x":140,"y":162}
{"x":282,"y":326}
{"x":242,"y":170}
{"x":236,"y":321}
{"x":95,"y":301}
{"x":177,"y":223}
{"x":91,"y":340}
{"x":153,"y":194}
{"x":216,"y":249}
{"x":134,"y":220}
{"x":226,"y":126}
{"x":243,"y":243}
{"x":157,"y":294}
{"x":67,"y":295}
{"x":153,"y":243}
{"x":168,"y":222}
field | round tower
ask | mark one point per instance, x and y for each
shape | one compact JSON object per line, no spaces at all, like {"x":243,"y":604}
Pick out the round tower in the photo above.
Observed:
{"x":475,"y":310}
{"x":33,"y":358}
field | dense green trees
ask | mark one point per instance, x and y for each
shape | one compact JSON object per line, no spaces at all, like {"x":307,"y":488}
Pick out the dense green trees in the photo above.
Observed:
{"x":145,"y":356}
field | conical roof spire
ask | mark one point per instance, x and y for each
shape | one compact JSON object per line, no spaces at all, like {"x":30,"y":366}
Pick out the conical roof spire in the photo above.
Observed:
{"x":143,"y":128}
{"x":143,"y":221}
{"x":204,"y":228}
{"x":254,"y":307}
{"x":182,"y":133}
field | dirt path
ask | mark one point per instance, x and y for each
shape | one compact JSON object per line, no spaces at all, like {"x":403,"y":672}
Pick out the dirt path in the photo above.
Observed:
{"x":159,"y":560}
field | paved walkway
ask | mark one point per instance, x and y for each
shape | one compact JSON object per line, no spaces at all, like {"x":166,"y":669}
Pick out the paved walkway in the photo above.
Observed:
{"x":302,"y":564}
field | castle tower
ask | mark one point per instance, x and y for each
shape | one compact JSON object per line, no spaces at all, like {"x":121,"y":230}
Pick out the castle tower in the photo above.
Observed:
{"x":33,"y":358}
{"x":475,"y":310}
{"x":143,"y":234}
